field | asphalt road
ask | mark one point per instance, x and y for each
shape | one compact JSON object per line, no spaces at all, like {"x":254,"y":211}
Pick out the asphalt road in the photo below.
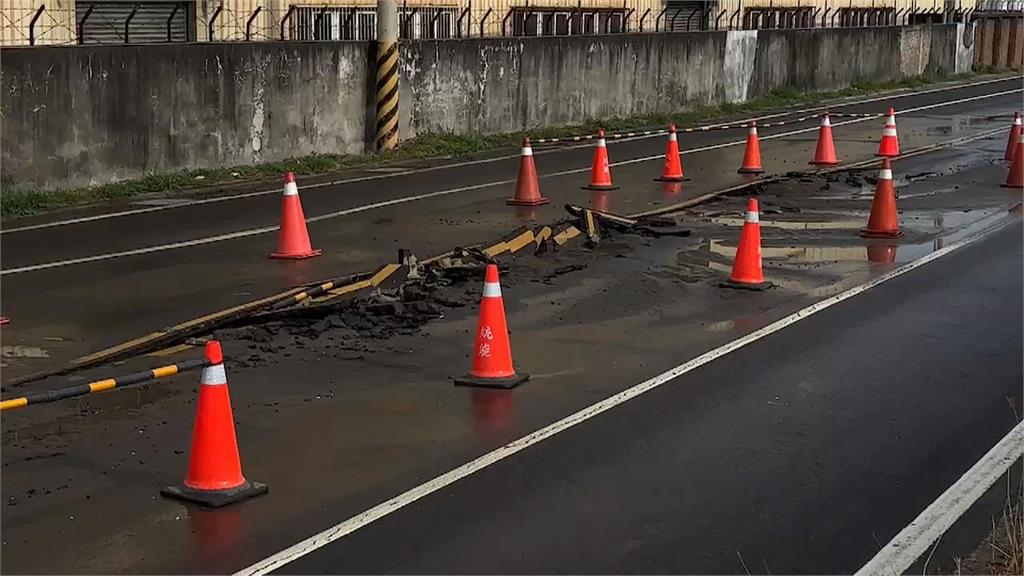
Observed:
{"x":798,"y":451}
{"x":797,"y":454}
{"x":116,"y":299}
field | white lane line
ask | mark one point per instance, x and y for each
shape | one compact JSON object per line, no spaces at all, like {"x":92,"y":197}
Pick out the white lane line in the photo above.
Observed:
{"x":135,"y":211}
{"x":383,"y":509}
{"x":241,"y":233}
{"x":914,"y":540}
{"x":405,"y":199}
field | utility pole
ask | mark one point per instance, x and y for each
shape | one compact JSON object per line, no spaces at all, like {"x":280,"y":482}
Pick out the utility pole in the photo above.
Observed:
{"x":387,"y":74}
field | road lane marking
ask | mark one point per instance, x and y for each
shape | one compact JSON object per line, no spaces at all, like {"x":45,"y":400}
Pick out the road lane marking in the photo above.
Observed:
{"x":406,"y":199}
{"x":403,"y":172}
{"x":383,"y":509}
{"x":914,"y":540}
{"x":242,"y":233}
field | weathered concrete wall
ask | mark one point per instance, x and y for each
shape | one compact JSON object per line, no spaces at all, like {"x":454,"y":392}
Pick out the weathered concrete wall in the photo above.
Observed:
{"x":84,"y":115}
{"x":77,"y":116}
{"x":999,"y":42}
{"x":509,"y":84}
{"x":506,"y":84}
{"x":915,"y":50}
{"x":942,"y":54}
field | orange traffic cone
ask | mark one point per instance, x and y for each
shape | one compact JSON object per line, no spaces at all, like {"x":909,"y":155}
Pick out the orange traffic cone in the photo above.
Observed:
{"x":600,"y":172}
{"x":826,"y":150}
{"x":492,"y":354}
{"x":746,"y":269}
{"x":1011,"y":142}
{"x":673,"y":170}
{"x":890,"y":144}
{"x":884,"y":221}
{"x":752,"y":155}
{"x":1015,"y":178}
{"x":293,"y":238}
{"x":527,"y":186}
{"x":214,"y":469}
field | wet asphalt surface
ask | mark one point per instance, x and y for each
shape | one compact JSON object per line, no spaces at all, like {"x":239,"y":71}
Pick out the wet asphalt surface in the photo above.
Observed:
{"x":339,"y":416}
{"x":796,"y":454}
{"x":119,"y":299}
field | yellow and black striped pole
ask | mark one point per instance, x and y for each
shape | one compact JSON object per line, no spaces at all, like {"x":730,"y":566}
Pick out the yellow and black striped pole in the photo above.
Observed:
{"x":101,"y":385}
{"x":387,"y":74}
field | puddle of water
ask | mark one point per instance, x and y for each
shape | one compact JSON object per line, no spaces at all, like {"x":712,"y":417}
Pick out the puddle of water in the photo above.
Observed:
{"x":493,"y":411}
{"x":24,"y":352}
{"x":601,"y":200}
{"x":670,"y":190}
{"x":527,"y":214}
{"x":796,"y":225}
{"x":960,"y":226}
{"x":880,"y":253}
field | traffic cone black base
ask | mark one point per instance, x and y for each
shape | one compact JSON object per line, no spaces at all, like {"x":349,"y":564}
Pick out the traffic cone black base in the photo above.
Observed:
{"x":865,"y":233}
{"x":750,"y":171}
{"x":215,"y":498}
{"x":536,"y":202}
{"x":503,"y":383}
{"x":759,"y":287}
{"x":663,"y":179}
{"x":592,"y":187}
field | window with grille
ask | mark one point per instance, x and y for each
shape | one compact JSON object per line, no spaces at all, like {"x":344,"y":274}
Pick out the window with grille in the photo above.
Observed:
{"x":556,"y":22}
{"x":360,"y":23}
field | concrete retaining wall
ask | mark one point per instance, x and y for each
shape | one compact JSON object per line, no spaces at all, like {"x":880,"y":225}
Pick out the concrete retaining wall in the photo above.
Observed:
{"x":78,"y":116}
{"x":84,"y":115}
{"x":503,"y":85}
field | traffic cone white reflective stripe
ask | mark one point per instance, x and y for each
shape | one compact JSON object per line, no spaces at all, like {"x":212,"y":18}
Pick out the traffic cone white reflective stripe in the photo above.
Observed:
{"x":753,"y":217}
{"x":527,"y":150}
{"x":290,"y":188}
{"x":214,"y":376}
{"x":885,"y":174}
{"x":492,"y":290}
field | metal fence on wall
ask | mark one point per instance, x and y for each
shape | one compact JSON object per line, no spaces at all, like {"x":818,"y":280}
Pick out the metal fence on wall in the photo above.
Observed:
{"x":128,"y":22}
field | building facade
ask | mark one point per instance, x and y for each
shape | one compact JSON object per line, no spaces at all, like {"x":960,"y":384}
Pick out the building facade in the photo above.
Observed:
{"x":47,"y":22}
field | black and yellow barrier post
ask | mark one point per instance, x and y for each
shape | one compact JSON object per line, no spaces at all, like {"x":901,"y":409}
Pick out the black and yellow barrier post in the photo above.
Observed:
{"x":387,"y":75}
{"x":100,"y":385}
